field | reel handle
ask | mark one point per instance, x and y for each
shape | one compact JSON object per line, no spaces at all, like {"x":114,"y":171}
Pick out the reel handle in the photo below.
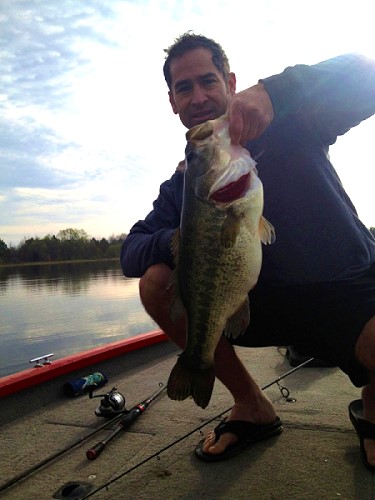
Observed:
{"x":111,"y":404}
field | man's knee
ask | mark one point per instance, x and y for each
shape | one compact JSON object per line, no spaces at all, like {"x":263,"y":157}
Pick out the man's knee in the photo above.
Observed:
{"x":154,"y":286}
{"x":365,"y":346}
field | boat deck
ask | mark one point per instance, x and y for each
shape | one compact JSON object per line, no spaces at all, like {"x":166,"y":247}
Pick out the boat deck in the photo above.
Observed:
{"x":317,"y":455}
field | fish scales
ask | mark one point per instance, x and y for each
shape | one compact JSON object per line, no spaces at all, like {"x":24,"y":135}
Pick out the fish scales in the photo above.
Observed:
{"x":219,"y":252}
{"x":205,"y":289}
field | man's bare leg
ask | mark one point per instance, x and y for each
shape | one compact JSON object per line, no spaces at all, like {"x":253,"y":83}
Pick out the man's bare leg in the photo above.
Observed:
{"x":365,"y":351}
{"x":250,"y":403}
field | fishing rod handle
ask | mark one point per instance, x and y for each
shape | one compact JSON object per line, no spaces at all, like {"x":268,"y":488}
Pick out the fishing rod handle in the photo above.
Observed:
{"x":132,"y":415}
{"x":94,"y":452}
{"x":125,"y":422}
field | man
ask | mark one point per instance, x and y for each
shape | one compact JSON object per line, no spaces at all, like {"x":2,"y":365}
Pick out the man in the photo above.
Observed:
{"x":316,"y":290}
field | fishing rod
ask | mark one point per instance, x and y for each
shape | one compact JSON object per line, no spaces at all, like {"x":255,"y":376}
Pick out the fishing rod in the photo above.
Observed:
{"x":123,"y":424}
{"x":112,"y":398}
{"x":170,"y":445}
{"x":52,"y":457}
{"x":113,"y":420}
{"x":135,"y":412}
{"x":284,"y":391}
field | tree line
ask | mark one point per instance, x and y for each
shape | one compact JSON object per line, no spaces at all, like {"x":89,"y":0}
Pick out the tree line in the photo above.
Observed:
{"x":68,"y":244}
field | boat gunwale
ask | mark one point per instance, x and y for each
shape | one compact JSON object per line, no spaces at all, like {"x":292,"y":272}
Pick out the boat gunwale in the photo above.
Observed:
{"x":19,"y":381}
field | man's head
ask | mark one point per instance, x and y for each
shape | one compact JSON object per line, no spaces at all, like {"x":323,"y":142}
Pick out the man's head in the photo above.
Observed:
{"x":199,"y":79}
{"x":189,"y":41}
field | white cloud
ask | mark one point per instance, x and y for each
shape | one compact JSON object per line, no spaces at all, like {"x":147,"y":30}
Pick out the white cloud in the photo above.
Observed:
{"x":87,"y":129}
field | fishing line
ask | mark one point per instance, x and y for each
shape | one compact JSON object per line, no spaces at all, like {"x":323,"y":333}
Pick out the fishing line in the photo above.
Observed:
{"x":52,"y":457}
{"x":162,"y":450}
{"x":123,"y":417}
{"x":116,"y":419}
{"x":124,"y":423}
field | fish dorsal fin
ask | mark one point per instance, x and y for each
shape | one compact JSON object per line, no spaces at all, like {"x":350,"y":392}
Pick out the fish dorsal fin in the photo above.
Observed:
{"x":266,"y":231}
{"x":237,"y":324}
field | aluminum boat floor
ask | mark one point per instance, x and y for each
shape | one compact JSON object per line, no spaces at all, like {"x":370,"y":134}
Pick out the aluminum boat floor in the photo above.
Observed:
{"x":316,"y":457}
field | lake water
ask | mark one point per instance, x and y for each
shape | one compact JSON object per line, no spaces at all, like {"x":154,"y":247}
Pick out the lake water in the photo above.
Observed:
{"x":65,"y":309}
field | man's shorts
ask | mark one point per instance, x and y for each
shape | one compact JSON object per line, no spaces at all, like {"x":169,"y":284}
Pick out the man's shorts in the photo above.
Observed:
{"x":320,"y":320}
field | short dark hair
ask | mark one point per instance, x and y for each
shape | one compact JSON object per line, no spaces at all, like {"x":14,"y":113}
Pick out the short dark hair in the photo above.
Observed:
{"x":190,"y":41}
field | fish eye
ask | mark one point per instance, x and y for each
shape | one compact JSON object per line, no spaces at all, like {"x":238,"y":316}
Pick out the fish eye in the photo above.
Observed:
{"x":189,"y":153}
{"x":190,"y":157}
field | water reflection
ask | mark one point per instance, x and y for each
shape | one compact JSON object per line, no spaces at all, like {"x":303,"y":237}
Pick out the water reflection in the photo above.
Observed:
{"x":69,"y":277}
{"x":65,"y":308}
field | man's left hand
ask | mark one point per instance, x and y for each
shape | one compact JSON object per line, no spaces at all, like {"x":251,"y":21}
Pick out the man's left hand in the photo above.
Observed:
{"x":250,"y":113}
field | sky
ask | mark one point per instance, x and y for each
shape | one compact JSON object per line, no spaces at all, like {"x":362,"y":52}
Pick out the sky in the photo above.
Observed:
{"x":87,"y":132}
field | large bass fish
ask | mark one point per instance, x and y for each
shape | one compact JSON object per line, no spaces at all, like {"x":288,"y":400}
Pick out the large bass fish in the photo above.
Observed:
{"x":217,"y":251}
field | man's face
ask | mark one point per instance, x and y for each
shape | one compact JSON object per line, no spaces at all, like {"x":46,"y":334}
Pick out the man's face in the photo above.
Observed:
{"x":198,"y":92}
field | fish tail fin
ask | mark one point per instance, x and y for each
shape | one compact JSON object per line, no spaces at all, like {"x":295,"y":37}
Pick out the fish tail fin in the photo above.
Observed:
{"x":185,"y":381}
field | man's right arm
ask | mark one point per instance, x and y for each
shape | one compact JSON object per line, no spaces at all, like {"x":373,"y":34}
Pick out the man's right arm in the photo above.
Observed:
{"x":327,"y":99}
{"x":149,"y":240}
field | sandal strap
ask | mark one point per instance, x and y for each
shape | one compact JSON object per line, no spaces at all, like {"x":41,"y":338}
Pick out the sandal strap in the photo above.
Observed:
{"x":237,"y":427}
{"x":365,"y":429}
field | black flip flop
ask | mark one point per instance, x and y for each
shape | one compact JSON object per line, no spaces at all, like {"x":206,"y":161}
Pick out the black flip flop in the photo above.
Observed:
{"x":364,"y":428}
{"x":246,"y":432}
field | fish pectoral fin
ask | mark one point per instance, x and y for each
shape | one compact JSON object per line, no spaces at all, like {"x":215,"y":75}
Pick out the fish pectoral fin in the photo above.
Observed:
{"x":230,"y":230}
{"x":266,"y":231}
{"x":175,"y":245}
{"x":237,"y":324}
{"x":177,"y":309}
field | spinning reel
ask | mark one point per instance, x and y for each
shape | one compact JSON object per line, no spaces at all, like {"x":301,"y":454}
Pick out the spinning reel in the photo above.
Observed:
{"x":111,"y":404}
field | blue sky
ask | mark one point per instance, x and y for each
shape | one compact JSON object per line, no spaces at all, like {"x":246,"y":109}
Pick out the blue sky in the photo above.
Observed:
{"x":87,"y":133}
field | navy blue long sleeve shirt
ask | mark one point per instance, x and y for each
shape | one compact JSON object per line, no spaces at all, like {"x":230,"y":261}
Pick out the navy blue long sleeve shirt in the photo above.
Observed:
{"x":319,"y":237}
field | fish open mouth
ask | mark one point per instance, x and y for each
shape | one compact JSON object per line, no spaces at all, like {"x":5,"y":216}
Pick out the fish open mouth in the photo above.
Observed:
{"x":233,"y":190}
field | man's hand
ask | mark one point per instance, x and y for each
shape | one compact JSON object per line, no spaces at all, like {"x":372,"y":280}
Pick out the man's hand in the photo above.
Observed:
{"x":250,"y":113}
